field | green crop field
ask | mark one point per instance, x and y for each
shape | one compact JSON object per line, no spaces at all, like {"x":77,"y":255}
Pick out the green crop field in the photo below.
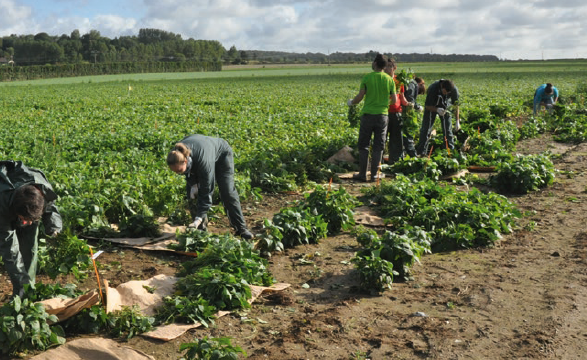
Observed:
{"x":102,"y":141}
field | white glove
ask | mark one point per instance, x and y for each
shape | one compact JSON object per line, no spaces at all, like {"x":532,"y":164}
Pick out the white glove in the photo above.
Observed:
{"x":196,"y":223}
{"x":194,"y":191}
{"x":410,"y":104}
{"x":458,"y":126}
{"x":440,"y":111}
{"x":350,"y":102}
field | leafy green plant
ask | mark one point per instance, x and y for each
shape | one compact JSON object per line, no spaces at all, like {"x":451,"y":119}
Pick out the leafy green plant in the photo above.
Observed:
{"x":139,"y":225}
{"x":415,"y":168}
{"x":39,"y":291}
{"x":366,"y":237}
{"x":223,"y":290}
{"x":375,"y":273}
{"x":231,"y":256}
{"x":453,"y":218}
{"x":68,"y":255}
{"x":24,"y":326}
{"x":524,"y":174}
{"x":193,"y":240}
{"x":269,"y":240}
{"x":404,"y":249}
{"x":128,"y":322}
{"x":88,"y":321}
{"x":300,"y":226}
{"x":335,"y":207}
{"x":181,"y":309}
{"x":532,"y":127}
{"x":212,"y":349}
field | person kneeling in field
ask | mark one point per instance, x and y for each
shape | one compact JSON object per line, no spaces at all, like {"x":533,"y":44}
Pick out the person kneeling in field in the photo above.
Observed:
{"x":545,"y":96}
{"x":25,"y":198}
{"x":205,"y":160}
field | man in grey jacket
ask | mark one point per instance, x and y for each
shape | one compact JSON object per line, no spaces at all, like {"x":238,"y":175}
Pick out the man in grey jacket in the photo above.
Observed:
{"x":26,"y":198}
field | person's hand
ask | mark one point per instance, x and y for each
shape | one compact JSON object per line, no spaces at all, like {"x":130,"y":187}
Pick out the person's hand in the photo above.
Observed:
{"x":410,"y":104}
{"x":458,"y":125}
{"x":440,"y":111}
{"x":197,"y":222}
{"x":350,"y":102}
{"x":194,"y":191}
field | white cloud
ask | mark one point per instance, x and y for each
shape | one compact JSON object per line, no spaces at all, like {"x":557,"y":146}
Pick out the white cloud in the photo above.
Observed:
{"x":523,"y":29}
{"x":14,"y":17}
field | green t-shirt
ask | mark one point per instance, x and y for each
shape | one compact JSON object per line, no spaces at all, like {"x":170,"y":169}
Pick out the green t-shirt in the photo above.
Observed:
{"x":378,"y":86}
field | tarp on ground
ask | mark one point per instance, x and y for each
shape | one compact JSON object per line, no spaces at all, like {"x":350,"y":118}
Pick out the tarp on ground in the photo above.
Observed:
{"x":93,"y":349}
{"x":64,"y":308}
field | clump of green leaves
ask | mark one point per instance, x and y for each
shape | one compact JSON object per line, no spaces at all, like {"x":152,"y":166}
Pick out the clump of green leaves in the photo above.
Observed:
{"x":88,"y":321}
{"x":24,"y":326}
{"x":39,"y":291}
{"x":404,"y":76}
{"x":454,"y":219}
{"x":403,"y":249}
{"x":182,"y":309}
{"x":213,"y":349}
{"x":223,"y":290}
{"x":414,"y":168}
{"x":269,"y":240}
{"x":128,"y":322}
{"x":335,"y":207}
{"x":354,"y":116}
{"x":533,"y":127}
{"x":300,"y":226}
{"x":139,"y":225}
{"x":68,"y":255}
{"x":234,"y":257}
{"x":193,"y":240}
{"x":524,"y":174}
{"x":124,"y":323}
{"x":376,"y":274}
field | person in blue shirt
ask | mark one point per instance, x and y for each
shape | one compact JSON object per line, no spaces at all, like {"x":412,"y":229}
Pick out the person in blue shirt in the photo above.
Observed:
{"x":546,"y":95}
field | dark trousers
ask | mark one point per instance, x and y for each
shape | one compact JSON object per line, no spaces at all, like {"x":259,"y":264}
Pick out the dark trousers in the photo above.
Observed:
{"x":371,"y":126}
{"x":394,"y":129}
{"x":426,"y":130}
{"x":224,"y":174}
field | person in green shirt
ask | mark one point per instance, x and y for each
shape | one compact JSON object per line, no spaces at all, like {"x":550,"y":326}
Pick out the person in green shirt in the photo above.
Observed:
{"x":206,"y":160}
{"x":375,"y":89}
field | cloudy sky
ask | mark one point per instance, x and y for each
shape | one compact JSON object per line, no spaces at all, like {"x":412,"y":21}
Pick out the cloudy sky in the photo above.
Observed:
{"x":509,"y":29}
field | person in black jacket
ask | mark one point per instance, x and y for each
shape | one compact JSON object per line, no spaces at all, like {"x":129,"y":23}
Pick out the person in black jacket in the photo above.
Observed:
{"x":205,"y":160}
{"x":416,"y":87}
{"x":440,"y":95}
{"x":26,"y":198}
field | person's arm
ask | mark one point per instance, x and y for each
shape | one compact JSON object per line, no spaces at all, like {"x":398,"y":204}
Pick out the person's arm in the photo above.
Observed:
{"x":403,"y":100}
{"x":357,"y":99}
{"x":555,"y":97}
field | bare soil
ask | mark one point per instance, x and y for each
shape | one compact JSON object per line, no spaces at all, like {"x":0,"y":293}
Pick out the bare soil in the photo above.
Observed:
{"x":524,"y":298}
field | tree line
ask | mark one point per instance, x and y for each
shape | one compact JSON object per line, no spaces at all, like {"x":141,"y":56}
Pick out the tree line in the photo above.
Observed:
{"x":269,"y":57}
{"x":148,"y":45}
